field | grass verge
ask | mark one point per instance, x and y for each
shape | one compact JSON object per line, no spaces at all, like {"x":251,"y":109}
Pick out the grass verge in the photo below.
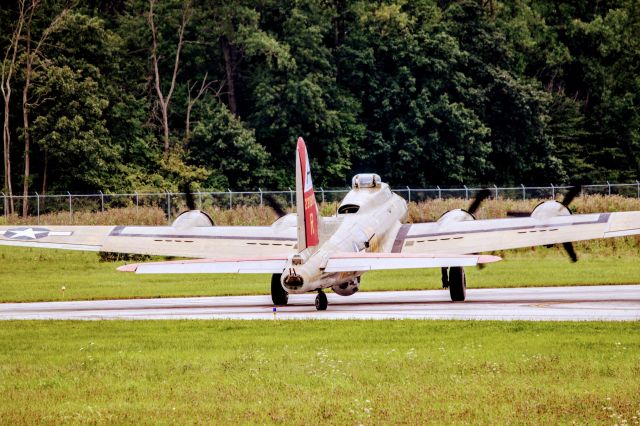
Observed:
{"x":38,"y":275}
{"x":297,"y":372}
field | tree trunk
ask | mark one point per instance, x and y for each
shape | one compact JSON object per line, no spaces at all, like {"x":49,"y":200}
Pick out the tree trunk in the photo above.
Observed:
{"x":27,"y":140}
{"x":204,"y":87}
{"x":7,"y":150}
{"x":164,"y":101}
{"x":25,"y":116}
{"x":8,"y":65}
{"x":44,"y":172}
{"x":230,"y":65}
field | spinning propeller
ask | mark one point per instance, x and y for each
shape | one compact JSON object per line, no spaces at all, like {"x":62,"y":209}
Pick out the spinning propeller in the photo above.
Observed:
{"x":482,"y":195}
{"x":275,"y":205}
{"x":568,"y":198}
{"x":192,"y":217}
{"x":572,"y":193}
{"x":188,"y":196}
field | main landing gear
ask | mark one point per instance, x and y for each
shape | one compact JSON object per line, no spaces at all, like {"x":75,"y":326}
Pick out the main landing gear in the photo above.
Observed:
{"x":321,"y":301}
{"x":279,"y":295}
{"x":456,"y":281}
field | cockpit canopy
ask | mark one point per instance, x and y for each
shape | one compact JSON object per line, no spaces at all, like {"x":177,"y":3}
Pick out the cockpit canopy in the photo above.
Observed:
{"x":366,"y":180}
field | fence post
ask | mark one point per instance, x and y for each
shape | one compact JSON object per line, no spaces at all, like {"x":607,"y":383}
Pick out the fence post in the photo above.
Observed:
{"x":4,"y":197}
{"x":496,"y":187}
{"x":291,"y":197}
{"x":136,"y":192}
{"x":70,"y":208}
{"x":322,"y":192}
{"x":38,"y":207}
{"x":260,"y":190}
{"x":409,"y":193}
{"x":101,"y":202}
{"x":524,"y":197}
{"x":230,"y":199}
{"x":638,"y":186}
{"x":439,"y":193}
{"x":609,"y":186}
{"x":466,"y":192}
{"x":200,"y":199}
{"x":168,"y":206}
{"x":553,"y":192}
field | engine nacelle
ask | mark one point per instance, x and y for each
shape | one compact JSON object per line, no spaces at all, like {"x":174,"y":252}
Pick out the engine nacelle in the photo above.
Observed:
{"x":192,"y":219}
{"x":348,"y":288}
{"x":457,"y":215}
{"x":549,"y":209}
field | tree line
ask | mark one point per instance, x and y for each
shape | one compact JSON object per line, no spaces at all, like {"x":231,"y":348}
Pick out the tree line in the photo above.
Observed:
{"x":132,"y":94}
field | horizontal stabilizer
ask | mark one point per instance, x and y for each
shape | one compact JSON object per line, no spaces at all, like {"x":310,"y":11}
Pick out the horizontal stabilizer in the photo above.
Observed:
{"x":209,"y":266}
{"x":351,"y":262}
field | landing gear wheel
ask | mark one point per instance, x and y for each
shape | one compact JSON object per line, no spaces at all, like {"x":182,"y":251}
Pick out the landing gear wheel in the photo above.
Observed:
{"x":321,"y":301}
{"x":278,"y":294}
{"x":457,"y":284}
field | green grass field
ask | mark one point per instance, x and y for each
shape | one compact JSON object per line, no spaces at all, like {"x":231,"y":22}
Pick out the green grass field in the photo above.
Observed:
{"x":311,"y":372}
{"x":39,"y":274}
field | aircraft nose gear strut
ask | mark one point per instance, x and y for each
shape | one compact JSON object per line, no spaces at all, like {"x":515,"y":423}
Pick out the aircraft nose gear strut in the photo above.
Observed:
{"x":321,"y":301}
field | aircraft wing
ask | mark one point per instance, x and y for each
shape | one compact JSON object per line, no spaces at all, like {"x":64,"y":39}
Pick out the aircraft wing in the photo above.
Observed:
{"x":475,"y":236}
{"x":194,"y":242}
{"x":340,"y":262}
{"x":268,"y":265}
{"x":349,"y":262}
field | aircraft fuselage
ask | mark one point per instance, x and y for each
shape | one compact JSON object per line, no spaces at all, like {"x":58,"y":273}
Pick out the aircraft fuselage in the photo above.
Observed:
{"x":372,"y":228}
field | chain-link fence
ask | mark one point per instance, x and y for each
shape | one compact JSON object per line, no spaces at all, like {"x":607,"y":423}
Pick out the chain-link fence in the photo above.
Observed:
{"x":173,"y":203}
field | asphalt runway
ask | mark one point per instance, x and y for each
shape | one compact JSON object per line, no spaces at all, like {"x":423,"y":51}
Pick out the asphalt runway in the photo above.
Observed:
{"x":590,"y":303}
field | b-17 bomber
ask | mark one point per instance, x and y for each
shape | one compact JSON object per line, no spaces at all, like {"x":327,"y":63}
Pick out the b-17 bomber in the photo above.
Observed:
{"x":306,"y":252}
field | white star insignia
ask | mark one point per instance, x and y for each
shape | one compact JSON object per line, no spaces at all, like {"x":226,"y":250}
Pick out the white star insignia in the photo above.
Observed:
{"x":32,"y":233}
{"x":27,"y":233}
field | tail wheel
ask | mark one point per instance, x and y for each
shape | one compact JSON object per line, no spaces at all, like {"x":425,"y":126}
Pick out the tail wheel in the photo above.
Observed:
{"x":321,"y":301}
{"x":278,"y":294}
{"x":457,"y":284}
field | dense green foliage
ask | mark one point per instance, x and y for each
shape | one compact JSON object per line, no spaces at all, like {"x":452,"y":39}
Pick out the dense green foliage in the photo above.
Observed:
{"x":424,"y":92}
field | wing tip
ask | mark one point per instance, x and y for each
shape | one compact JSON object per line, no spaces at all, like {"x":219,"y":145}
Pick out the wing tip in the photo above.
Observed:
{"x":132,"y":267}
{"x":487,"y":258}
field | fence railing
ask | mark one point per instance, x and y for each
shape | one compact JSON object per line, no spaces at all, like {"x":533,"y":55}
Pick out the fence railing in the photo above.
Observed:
{"x":174,"y":202}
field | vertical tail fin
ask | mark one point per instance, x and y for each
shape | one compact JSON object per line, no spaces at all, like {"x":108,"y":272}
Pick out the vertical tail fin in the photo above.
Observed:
{"x":307,"y":208}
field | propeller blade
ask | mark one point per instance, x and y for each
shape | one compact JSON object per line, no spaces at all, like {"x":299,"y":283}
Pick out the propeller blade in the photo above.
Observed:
{"x":482,"y":195}
{"x":515,"y":213}
{"x":568,"y":247}
{"x":275,"y":205}
{"x":572,"y":193}
{"x":188,"y":195}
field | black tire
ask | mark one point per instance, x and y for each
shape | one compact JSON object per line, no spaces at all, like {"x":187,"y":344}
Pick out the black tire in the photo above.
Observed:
{"x":321,"y":301}
{"x":279,"y":295}
{"x":457,"y":284}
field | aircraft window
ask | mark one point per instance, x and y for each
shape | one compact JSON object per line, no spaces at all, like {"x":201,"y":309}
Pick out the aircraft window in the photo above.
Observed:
{"x":348,"y":209}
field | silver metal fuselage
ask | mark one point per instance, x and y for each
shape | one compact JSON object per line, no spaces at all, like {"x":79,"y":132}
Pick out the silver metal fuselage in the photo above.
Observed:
{"x":372,"y":229}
